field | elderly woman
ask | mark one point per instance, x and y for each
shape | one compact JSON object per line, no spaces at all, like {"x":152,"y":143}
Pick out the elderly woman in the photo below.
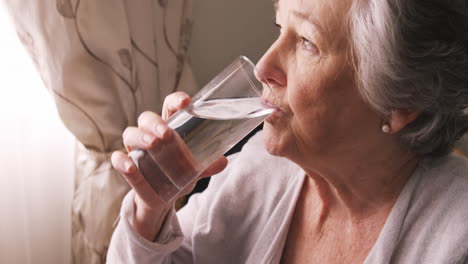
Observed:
{"x":353,"y":167}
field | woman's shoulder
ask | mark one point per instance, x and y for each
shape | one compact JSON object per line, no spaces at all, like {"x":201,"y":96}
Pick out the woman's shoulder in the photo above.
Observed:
{"x":446,"y":176}
{"x":428,"y":221}
{"x":443,"y":186}
{"x":435,"y":210}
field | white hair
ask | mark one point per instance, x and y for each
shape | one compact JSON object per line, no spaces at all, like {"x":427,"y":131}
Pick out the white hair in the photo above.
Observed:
{"x":413,"y":54}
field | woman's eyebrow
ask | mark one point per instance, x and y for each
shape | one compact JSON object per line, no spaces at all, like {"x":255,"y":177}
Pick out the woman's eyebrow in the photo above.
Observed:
{"x":307,"y":18}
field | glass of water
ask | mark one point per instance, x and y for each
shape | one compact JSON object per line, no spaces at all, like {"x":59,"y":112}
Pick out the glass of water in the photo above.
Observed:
{"x":218,"y":117}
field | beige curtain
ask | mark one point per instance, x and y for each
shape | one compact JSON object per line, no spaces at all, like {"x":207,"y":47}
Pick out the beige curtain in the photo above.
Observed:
{"x":104,"y":61}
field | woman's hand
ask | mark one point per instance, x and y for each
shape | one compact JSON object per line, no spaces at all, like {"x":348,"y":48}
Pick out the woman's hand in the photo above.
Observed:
{"x":151,"y":132}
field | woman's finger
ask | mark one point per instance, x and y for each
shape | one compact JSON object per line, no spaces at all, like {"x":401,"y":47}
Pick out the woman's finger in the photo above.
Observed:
{"x":137,"y":138}
{"x":123,"y":164}
{"x":173,"y":103}
{"x":153,"y":124}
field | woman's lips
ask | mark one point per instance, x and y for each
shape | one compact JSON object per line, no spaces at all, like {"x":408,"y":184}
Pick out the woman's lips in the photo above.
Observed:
{"x":277,"y":113}
{"x":269,"y":104}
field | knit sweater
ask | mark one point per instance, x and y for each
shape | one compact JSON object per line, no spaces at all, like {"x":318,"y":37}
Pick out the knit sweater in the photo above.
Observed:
{"x":245,"y":213}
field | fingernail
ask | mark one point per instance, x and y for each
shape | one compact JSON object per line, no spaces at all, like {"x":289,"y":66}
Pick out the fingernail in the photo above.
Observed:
{"x":148,"y":139}
{"x":129,"y":167}
{"x":181,"y":100}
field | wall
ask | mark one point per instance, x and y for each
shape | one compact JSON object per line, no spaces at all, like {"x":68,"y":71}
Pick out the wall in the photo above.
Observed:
{"x":225,"y":29}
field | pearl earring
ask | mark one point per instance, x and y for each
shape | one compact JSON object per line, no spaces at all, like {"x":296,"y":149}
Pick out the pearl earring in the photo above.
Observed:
{"x":385,"y":128}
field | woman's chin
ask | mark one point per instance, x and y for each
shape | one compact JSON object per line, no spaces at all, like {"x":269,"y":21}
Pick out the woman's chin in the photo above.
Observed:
{"x":272,"y":142}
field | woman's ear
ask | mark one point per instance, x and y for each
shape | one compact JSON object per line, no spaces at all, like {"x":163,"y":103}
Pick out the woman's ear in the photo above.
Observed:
{"x":400,"y":118}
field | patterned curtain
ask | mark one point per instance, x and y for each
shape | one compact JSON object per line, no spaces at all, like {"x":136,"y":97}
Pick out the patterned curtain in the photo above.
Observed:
{"x":105,"y":62}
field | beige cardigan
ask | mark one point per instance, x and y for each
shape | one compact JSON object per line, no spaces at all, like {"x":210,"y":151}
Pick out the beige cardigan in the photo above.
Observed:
{"x":244,"y":215}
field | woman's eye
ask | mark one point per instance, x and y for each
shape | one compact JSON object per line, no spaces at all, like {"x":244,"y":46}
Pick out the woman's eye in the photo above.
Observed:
{"x":308,"y":45}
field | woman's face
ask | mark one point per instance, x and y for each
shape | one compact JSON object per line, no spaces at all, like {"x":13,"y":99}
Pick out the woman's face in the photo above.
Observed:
{"x":309,"y":68}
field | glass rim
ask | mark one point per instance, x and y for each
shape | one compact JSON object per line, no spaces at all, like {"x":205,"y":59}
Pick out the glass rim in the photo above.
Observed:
{"x":259,"y":90}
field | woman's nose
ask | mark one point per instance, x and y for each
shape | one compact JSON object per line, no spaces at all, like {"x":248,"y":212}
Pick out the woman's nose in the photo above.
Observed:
{"x":270,"y":68}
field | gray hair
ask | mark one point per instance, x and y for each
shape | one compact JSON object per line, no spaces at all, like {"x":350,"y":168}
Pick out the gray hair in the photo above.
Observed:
{"x":413,"y":54}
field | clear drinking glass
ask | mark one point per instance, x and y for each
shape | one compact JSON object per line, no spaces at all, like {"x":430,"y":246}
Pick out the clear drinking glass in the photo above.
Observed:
{"x":222,"y":113}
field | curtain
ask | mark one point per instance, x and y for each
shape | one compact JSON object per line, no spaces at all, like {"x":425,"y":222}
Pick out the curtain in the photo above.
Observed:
{"x":104,"y":62}
{"x":36,"y":163}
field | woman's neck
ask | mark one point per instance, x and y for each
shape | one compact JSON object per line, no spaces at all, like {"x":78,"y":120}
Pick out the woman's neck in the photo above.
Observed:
{"x":360,"y":189}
